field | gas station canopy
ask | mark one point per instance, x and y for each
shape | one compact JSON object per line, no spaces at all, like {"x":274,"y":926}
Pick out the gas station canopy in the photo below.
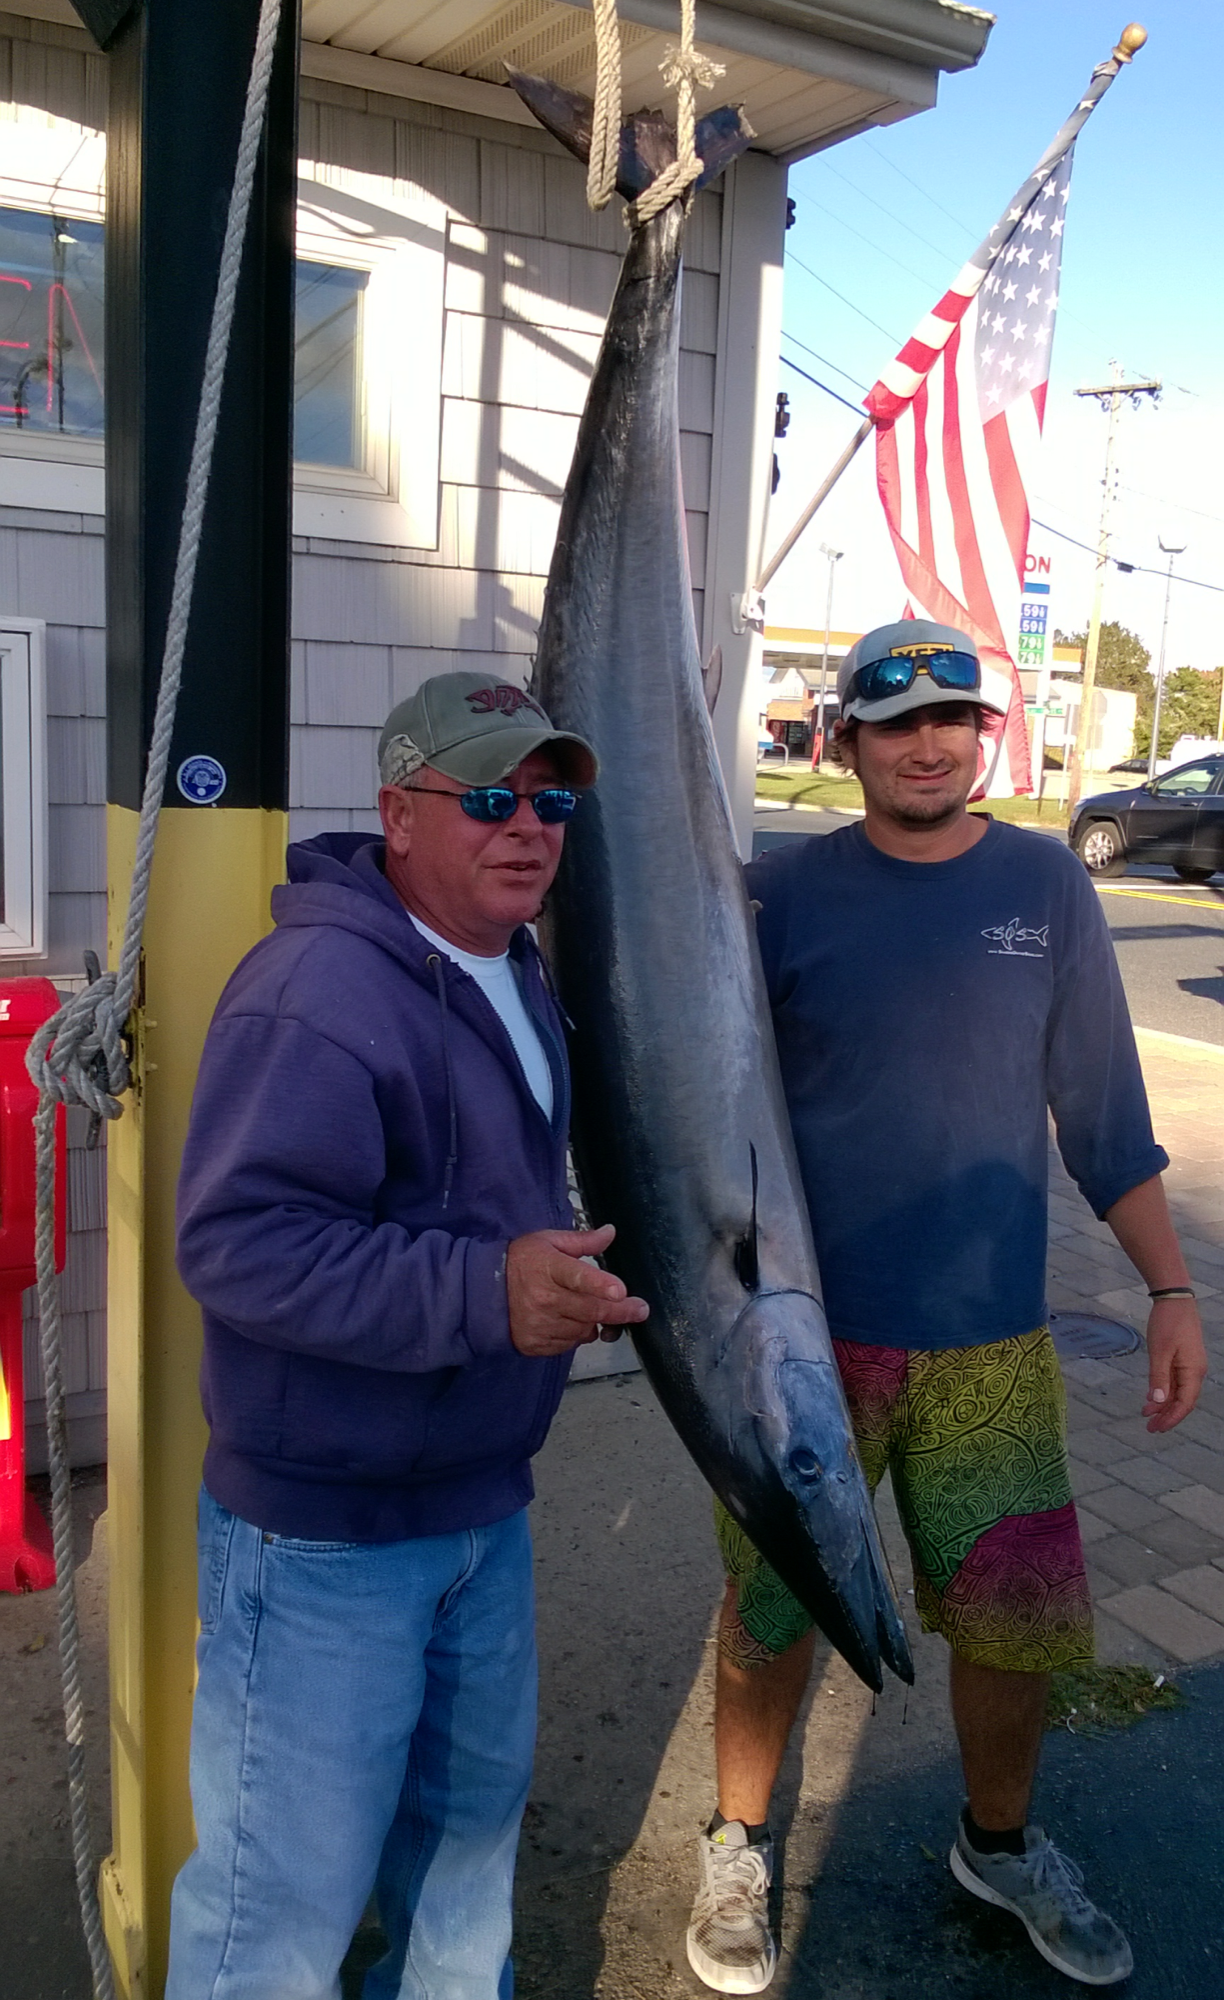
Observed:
{"x":808,"y":74}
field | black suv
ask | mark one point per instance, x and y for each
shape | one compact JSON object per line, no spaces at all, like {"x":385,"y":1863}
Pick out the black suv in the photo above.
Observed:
{"x":1178,"y":818}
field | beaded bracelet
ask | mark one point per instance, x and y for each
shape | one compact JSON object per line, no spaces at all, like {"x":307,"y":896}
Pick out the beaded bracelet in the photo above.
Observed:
{"x":1174,"y":1292}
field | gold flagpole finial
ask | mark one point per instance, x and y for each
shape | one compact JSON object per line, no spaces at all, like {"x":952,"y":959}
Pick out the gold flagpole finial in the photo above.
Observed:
{"x":1130,"y":41}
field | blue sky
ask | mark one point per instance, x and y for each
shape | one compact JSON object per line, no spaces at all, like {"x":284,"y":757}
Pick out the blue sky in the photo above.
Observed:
{"x":887,"y":219}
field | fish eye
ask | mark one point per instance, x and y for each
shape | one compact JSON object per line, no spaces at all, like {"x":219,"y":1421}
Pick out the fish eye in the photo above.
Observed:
{"x":805,"y":1462}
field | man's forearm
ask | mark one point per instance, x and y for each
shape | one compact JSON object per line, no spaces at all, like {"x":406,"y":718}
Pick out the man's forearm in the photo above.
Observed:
{"x":1144,"y":1228}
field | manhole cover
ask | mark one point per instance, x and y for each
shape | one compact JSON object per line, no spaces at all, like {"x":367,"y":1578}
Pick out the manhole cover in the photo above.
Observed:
{"x":1091,"y":1337}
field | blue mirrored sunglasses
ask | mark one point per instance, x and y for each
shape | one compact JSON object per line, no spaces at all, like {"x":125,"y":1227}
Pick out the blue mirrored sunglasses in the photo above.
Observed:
{"x":490,"y":803}
{"x":881,"y":679}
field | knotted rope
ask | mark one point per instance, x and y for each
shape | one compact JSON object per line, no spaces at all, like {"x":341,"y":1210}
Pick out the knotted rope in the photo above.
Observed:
{"x":686,"y":71}
{"x":78,"y":1056}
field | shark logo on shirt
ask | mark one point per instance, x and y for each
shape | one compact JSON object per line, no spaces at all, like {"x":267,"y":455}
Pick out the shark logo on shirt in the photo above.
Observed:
{"x":1009,"y":937}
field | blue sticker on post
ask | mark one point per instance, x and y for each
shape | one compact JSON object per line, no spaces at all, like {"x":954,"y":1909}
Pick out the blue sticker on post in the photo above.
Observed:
{"x":201,"y":780}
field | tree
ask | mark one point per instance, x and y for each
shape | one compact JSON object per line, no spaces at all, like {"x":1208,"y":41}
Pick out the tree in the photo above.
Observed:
{"x":1123,"y":661}
{"x":1191,"y":706}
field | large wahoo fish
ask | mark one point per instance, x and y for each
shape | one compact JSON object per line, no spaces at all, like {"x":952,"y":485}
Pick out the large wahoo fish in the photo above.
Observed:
{"x":680,"y":1129}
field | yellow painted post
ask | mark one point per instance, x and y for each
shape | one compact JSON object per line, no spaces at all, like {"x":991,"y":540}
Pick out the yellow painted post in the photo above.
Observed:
{"x":212,"y":878}
{"x":178,"y":79}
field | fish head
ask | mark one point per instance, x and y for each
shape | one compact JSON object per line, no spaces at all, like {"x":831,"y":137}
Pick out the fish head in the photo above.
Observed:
{"x":803,"y":1488}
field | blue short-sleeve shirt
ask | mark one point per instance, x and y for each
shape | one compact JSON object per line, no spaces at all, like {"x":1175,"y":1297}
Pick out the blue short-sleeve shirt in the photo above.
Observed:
{"x":927,"y":1014}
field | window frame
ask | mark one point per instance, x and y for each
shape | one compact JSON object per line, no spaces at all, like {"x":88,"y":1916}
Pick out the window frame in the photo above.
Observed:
{"x":392,"y":231}
{"x":23,"y":758}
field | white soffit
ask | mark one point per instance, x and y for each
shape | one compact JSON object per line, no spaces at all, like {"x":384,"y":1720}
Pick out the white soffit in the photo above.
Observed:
{"x":807,"y":74}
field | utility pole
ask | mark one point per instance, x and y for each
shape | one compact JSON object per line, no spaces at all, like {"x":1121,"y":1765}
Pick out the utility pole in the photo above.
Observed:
{"x":834,"y":556}
{"x":1112,"y":393}
{"x":1169,"y":549}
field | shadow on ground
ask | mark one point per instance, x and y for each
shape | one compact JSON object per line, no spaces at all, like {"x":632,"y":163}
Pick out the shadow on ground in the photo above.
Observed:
{"x":868,"y":1911}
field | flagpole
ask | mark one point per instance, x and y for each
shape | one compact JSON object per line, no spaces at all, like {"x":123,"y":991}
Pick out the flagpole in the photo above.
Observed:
{"x":1129,"y":43}
{"x":818,"y":499}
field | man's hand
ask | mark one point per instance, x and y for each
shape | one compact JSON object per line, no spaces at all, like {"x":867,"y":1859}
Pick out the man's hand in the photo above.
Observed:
{"x":556,"y":1301}
{"x":1177,"y":1362}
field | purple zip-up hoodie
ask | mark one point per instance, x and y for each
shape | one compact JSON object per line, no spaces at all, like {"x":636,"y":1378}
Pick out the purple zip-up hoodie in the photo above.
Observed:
{"x":363,"y":1146}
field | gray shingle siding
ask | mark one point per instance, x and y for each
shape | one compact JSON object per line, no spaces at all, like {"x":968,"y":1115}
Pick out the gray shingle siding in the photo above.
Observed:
{"x":530,"y":273}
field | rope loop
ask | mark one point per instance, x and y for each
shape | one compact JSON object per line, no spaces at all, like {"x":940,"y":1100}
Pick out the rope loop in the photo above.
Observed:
{"x":78,"y":1056}
{"x":686,"y":71}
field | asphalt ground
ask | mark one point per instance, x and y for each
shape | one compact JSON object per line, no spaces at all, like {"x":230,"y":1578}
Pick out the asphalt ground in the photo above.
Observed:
{"x":1169,"y":936}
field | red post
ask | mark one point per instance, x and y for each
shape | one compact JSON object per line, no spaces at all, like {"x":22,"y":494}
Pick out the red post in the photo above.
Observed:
{"x":26,"y":1560}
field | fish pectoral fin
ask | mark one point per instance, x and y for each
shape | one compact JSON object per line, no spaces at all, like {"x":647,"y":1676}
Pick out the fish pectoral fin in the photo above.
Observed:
{"x":747,"y":1252}
{"x":711,"y":678}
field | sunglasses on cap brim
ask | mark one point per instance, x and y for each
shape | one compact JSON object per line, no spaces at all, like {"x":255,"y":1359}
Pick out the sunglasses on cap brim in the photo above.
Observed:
{"x":880,"y":680}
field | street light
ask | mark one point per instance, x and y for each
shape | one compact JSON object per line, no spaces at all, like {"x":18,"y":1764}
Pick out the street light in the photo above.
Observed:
{"x":834,"y":556}
{"x":1169,"y":549}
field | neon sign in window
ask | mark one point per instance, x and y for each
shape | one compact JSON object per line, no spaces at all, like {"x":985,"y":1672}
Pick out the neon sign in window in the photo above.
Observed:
{"x":50,"y":324}
{"x":51,"y":328}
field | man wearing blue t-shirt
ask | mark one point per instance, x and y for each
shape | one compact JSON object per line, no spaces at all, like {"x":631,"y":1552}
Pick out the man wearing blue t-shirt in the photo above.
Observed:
{"x":939,"y":981}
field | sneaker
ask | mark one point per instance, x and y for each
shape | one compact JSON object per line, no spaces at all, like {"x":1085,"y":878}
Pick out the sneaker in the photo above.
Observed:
{"x":1046,"y":1892}
{"x":730,"y":1945}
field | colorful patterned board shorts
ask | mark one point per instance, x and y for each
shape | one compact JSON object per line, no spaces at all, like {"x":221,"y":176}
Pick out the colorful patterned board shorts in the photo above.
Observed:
{"x":975,"y":1440}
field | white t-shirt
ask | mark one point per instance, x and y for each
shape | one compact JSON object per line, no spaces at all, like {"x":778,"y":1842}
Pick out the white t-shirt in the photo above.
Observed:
{"x":496,"y":979}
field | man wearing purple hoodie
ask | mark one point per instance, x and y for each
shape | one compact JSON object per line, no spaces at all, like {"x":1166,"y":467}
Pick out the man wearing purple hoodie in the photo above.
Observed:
{"x":373,"y":1215}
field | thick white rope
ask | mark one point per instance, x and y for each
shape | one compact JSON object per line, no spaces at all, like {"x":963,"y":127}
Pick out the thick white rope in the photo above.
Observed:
{"x":606,"y":110}
{"x":685,"y":71}
{"x":78,"y":1056}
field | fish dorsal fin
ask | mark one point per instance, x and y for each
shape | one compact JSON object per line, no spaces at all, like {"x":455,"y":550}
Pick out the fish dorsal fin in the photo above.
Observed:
{"x":711,"y":676}
{"x":647,"y":138}
{"x":747,"y":1255}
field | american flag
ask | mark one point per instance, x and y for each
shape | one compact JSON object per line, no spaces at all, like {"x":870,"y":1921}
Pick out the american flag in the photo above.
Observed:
{"x":958,"y":419}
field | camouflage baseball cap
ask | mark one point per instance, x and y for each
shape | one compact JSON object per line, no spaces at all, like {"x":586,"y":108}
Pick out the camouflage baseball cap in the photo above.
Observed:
{"x":476,"y":728}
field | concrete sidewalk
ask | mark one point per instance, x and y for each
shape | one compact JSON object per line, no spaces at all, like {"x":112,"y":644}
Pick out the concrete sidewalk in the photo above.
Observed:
{"x":1152,"y":1506}
{"x":628,"y":1583}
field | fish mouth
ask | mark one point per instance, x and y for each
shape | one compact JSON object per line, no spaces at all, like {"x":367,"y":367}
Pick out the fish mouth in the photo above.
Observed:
{"x":808,"y":1510}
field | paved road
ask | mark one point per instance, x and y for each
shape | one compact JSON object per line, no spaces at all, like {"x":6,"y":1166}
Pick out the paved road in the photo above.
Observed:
{"x":1170,"y":944}
{"x":1169,"y":936}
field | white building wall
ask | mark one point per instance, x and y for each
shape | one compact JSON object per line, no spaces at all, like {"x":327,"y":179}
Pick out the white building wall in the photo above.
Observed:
{"x":529,"y":276}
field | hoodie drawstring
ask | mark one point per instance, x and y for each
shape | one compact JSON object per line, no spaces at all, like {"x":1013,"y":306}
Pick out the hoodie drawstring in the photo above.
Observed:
{"x":452,"y":1158}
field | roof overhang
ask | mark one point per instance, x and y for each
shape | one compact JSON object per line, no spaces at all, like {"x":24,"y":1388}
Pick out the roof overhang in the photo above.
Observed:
{"x":808,"y":72}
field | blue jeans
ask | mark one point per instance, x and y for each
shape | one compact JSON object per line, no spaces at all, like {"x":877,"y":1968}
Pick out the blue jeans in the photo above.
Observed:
{"x":364,"y":1720}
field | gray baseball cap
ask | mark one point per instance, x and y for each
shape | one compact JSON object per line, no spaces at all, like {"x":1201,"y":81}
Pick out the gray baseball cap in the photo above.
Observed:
{"x":914,"y":638}
{"x":476,"y":728}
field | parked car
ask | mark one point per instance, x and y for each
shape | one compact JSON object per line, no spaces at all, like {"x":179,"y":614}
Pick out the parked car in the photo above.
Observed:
{"x":1130,"y":764}
{"x":1178,"y":818}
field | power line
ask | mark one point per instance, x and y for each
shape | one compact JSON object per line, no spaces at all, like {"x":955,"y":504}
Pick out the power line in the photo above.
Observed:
{"x":824,"y":360}
{"x":927,"y":196}
{"x":967,"y":227}
{"x":877,"y":247}
{"x":891,"y":213}
{"x":792,"y":259}
{"x":1138,"y":569}
{"x":1161,"y":499}
{"x":788,"y":363}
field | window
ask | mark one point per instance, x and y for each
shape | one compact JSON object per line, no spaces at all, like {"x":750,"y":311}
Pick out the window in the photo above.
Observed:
{"x":50,"y":325}
{"x":51,"y":331}
{"x":23,"y":789}
{"x":327,"y":427}
{"x":1190,"y":783}
{"x":368,"y":364}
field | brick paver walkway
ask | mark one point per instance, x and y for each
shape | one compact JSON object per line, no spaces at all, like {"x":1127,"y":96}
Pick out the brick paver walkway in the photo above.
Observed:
{"x":1152,"y":1507}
